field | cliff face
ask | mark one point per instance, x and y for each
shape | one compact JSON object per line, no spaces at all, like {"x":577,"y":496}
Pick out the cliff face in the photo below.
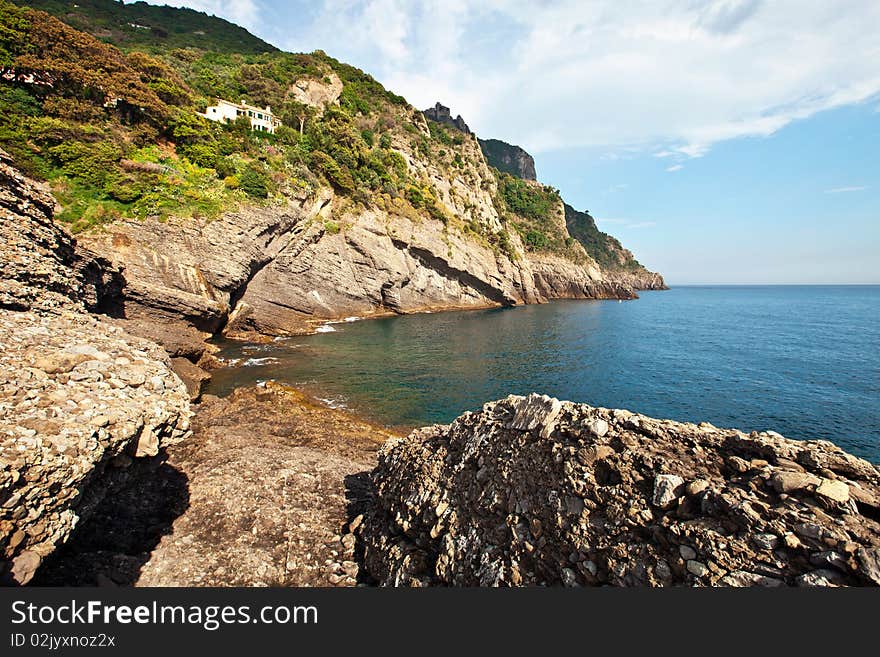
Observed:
{"x":283,"y":268}
{"x":509,"y":158}
{"x":79,"y":398}
{"x":41,"y":268}
{"x":534,"y":491}
{"x":358,"y":205}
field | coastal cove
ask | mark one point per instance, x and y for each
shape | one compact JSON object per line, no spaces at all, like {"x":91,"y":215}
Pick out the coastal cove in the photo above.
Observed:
{"x":799,"y":360}
{"x":266,"y":323}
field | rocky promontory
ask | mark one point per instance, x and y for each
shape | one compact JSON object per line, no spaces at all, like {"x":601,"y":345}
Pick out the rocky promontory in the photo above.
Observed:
{"x":534,"y":491}
{"x":509,"y":158}
{"x":80,"y":399}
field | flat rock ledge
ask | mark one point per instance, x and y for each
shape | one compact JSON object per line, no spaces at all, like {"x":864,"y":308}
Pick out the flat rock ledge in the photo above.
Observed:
{"x":534,"y":491}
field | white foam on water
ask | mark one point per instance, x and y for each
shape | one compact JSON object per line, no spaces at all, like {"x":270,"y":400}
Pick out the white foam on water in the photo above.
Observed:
{"x":333,"y":402}
{"x":325,"y":328}
{"x":268,"y":360}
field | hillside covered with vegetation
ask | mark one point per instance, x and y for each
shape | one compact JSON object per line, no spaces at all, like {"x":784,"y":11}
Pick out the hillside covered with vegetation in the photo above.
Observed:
{"x":140,"y":26}
{"x":108,"y":114}
{"x":605,"y":249}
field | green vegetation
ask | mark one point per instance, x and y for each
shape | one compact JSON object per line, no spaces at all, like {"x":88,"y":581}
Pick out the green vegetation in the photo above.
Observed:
{"x":112,"y":123}
{"x":141,"y":26}
{"x":602,"y":247}
{"x":118,"y":135}
{"x":530,"y":201}
{"x":533,"y":211}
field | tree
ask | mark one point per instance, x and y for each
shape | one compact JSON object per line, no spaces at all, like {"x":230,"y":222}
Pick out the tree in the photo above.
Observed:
{"x":294,"y":112}
{"x":81,"y":66}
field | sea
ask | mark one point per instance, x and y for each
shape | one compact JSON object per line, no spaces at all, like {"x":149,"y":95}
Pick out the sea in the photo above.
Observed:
{"x":803,"y":361}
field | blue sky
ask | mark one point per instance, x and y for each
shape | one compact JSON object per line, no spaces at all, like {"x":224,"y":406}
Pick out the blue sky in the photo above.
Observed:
{"x":723,"y":141}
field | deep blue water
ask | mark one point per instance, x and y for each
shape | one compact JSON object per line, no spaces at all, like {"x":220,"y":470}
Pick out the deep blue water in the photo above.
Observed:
{"x":803,"y":361}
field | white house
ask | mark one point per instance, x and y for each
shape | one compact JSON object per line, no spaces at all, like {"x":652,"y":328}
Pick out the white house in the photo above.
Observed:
{"x":262,"y":119}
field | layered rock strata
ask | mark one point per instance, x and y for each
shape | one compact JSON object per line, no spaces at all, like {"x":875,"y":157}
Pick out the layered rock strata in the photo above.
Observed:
{"x":79,"y":397}
{"x":534,"y":491}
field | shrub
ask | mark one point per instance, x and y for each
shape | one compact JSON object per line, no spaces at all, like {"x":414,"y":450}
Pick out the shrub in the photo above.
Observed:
{"x":254,"y":182}
{"x":535,"y":239}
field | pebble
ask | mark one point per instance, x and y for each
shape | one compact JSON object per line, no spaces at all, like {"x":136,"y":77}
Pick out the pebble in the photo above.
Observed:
{"x":697,"y":569}
{"x":666,"y":488}
{"x":687,"y":552}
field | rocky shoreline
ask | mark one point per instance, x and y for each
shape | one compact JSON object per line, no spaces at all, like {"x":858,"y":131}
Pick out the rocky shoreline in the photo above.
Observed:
{"x":261,"y":494}
{"x":111,"y":473}
{"x":534,"y":491}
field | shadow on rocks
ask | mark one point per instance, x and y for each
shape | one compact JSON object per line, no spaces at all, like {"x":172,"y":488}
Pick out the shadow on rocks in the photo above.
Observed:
{"x":360,"y":493}
{"x":112,"y":544}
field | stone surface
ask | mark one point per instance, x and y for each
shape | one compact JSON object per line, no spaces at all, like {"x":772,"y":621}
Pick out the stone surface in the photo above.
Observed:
{"x":65,"y":416}
{"x":193,"y":376}
{"x":833,"y":490}
{"x":523,"y":493}
{"x":789,"y":482}
{"x":75,"y":404}
{"x":667,"y":489}
{"x":263,"y":494}
{"x":42,"y":267}
{"x":441,"y":114}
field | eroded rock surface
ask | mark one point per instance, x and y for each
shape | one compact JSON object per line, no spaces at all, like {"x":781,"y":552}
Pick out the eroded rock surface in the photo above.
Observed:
{"x":274,"y":480}
{"x":78,"y":396}
{"x":41,"y":267}
{"x":509,"y":158}
{"x":534,"y":491}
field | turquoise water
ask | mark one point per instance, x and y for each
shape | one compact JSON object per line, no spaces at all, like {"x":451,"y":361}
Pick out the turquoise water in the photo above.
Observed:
{"x":803,"y":361}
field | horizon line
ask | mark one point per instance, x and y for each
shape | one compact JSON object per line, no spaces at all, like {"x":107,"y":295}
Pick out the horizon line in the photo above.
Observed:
{"x":772,"y":285}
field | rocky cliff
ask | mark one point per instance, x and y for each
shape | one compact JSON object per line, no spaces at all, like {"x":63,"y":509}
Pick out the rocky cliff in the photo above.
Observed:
{"x":359,"y":204}
{"x":609,"y":253}
{"x":79,"y":398}
{"x":285,"y":266}
{"x":509,"y":158}
{"x":442,"y":114}
{"x":534,"y":491}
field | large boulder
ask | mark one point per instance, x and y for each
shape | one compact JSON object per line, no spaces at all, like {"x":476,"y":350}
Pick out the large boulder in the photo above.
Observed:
{"x":534,"y":491}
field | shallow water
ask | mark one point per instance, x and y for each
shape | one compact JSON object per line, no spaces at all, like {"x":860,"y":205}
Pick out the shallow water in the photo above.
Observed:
{"x":803,"y":361}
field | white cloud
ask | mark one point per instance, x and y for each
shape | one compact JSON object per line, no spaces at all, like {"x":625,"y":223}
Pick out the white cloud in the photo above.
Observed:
{"x":843,"y":190}
{"x":672,"y":78}
{"x":675,"y":167}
